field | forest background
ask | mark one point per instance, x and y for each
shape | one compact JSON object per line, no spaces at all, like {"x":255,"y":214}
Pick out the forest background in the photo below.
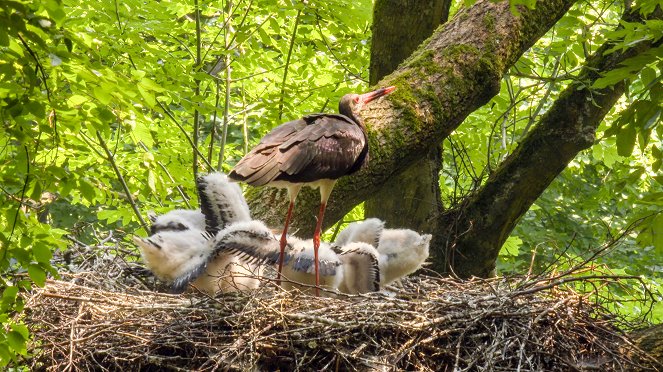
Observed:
{"x":103,"y":103}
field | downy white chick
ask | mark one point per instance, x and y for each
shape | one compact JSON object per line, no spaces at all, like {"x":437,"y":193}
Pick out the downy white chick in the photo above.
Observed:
{"x":177,"y":220}
{"x":179,"y":251}
{"x":400,"y":251}
{"x":175,"y":256}
{"x":221,"y":202}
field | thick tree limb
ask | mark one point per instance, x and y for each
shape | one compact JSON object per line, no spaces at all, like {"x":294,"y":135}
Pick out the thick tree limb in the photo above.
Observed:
{"x":477,"y":229}
{"x":453,"y":73}
{"x":410,"y":199}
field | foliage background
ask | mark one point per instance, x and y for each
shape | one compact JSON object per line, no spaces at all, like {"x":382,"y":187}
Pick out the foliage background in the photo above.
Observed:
{"x":101,"y":102}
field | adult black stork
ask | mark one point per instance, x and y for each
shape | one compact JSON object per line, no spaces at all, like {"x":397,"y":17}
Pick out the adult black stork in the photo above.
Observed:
{"x":315,"y":150}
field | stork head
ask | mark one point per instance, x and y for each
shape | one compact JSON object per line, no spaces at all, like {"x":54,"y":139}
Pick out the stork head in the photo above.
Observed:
{"x":177,"y":220}
{"x":402,"y":252}
{"x":172,"y":254}
{"x":353,"y":103}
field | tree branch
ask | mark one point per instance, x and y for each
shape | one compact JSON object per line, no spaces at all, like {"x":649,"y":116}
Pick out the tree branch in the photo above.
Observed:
{"x":111,"y":159}
{"x":562,"y":132}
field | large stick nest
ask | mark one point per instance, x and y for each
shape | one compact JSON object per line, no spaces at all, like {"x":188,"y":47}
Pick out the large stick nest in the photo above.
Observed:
{"x":105,"y":318}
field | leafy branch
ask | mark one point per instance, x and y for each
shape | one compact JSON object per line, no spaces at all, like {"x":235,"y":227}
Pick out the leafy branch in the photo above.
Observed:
{"x":111,"y":160}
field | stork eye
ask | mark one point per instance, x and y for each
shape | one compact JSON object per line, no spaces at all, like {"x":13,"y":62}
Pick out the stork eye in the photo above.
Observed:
{"x":356,"y":99}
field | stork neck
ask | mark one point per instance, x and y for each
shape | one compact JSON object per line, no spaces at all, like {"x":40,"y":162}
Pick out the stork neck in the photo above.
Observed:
{"x":347,"y":111}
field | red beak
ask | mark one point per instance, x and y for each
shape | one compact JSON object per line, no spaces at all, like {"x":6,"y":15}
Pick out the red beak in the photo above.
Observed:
{"x":370,"y":96}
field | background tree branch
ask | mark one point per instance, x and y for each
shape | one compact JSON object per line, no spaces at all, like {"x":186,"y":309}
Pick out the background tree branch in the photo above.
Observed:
{"x":478,"y":228}
{"x":410,"y":199}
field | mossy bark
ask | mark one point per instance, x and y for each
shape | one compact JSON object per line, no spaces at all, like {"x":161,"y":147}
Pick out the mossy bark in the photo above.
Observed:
{"x":477,"y":229}
{"x":455,"y":71}
{"x":410,"y":199}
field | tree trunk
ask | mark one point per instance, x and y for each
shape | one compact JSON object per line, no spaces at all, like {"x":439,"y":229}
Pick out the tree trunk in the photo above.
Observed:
{"x":489,"y":216}
{"x":410,"y":199}
{"x":457,"y":70}
{"x":650,"y":340}
{"x":399,"y":26}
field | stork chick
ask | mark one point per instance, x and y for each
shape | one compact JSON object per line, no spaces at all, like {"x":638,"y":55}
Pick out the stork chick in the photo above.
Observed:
{"x":177,"y":220}
{"x":179,"y":250}
{"x":401,"y":251}
{"x":175,"y":256}
{"x":353,"y":269}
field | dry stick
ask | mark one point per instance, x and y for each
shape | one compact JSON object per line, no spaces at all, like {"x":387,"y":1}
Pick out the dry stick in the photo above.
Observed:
{"x":111,"y":159}
{"x":543,"y":99}
{"x":196,"y":91}
{"x":287,"y":63}
{"x":186,"y":135}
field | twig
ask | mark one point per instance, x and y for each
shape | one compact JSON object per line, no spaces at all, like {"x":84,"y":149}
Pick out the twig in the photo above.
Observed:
{"x":120,"y":178}
{"x":287,"y":63}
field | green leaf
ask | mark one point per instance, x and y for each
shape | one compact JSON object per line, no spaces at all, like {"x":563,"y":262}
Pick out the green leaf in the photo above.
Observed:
{"x":21,"y":329}
{"x":41,"y":252}
{"x":626,"y":140}
{"x":151,"y":182}
{"x":511,"y":246}
{"x":86,"y":190}
{"x":17,"y":342}
{"x":657,"y":233}
{"x":147,"y":95}
{"x":150,"y":85}
{"x":102,"y":95}
{"x":6,"y":355}
{"x":109,"y":215}
{"x":8,"y":298}
{"x":658,"y":158}
{"x":37,"y":274}
{"x":77,"y":100}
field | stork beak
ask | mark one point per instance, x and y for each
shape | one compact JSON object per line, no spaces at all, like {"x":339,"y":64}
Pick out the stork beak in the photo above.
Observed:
{"x":370,"y":96}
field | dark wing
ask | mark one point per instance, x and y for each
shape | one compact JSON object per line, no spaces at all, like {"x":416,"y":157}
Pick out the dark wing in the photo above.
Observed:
{"x":169,"y":226}
{"x":221,"y":201}
{"x":361,"y":268}
{"x":251,"y":242}
{"x":320,"y":146}
{"x":259,"y":166}
{"x":328,"y":148}
{"x":254,"y":243}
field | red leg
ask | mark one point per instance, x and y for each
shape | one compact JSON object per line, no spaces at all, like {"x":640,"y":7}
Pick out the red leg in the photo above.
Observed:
{"x":316,"y":245}
{"x":283,"y":242}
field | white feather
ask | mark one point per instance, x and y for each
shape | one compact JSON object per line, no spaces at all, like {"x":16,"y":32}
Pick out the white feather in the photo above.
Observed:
{"x":221,"y":201}
{"x":189,"y":219}
{"x":360,"y":268}
{"x":367,"y":231}
{"x":226,"y":273}
{"x":402,"y":252}
{"x":299,"y":267}
{"x":173,"y":254}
